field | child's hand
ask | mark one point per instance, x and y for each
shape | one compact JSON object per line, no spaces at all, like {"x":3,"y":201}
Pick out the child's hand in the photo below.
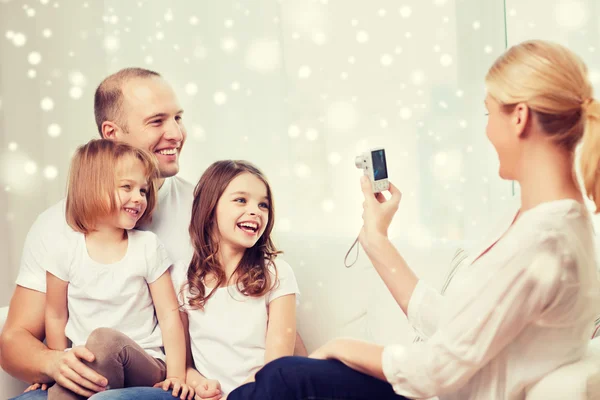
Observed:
{"x":36,"y":386}
{"x":208,"y":389}
{"x":178,"y":386}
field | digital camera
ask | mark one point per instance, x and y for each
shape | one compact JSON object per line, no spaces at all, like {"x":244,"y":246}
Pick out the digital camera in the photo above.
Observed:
{"x":374,"y":165}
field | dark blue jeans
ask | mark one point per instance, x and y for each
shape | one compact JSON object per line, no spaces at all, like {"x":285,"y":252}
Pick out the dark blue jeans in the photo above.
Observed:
{"x":300,"y":378}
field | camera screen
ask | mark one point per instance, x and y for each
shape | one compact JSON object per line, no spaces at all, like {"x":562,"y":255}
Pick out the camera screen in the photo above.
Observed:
{"x":379,"y":165}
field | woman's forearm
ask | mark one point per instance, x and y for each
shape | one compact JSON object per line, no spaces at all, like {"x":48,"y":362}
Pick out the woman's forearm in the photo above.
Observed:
{"x":358,"y":355}
{"x":394,"y":271}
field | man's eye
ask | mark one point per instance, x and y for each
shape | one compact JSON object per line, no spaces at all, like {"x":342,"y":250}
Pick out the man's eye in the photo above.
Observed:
{"x":178,"y":118}
{"x":156,"y":122}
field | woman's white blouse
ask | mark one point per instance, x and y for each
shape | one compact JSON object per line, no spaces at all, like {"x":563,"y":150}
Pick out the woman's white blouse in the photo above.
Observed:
{"x":516,"y":313}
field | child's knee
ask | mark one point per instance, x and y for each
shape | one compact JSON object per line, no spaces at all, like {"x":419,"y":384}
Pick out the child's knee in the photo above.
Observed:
{"x":103,"y":342}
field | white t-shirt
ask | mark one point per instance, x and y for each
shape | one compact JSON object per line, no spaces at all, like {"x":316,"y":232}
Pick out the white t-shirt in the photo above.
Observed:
{"x":112,"y":295}
{"x":520,"y":311}
{"x":228,"y":338}
{"x":170,"y":222}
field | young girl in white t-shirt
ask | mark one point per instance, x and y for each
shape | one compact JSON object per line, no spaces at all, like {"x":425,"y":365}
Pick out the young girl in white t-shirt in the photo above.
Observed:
{"x":108,"y":285}
{"x":238,"y":303}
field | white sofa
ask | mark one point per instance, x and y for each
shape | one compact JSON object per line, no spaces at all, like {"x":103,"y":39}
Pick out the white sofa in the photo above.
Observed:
{"x":337,"y":301}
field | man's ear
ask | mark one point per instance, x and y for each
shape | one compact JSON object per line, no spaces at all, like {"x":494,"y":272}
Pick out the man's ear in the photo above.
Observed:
{"x":521,"y":118}
{"x":110,"y":130}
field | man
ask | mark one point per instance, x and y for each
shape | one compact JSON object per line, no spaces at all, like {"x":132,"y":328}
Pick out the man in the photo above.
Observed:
{"x":138,"y":107}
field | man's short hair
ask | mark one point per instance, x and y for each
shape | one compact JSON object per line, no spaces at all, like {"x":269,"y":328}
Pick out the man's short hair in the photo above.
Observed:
{"x":108,"y":99}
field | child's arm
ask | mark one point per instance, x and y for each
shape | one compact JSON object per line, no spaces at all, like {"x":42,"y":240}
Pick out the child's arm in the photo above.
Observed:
{"x":167,"y":312}
{"x":203,"y":387}
{"x":57,"y":312}
{"x":281,"y":329}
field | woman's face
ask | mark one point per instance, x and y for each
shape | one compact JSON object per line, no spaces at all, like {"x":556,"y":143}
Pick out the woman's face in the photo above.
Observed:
{"x":502,"y":132}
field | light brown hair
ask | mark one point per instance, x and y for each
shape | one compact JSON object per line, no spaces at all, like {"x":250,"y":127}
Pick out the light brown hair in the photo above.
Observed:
{"x":252,"y":277}
{"x":553,"y":82}
{"x":92,"y":182}
{"x":108,"y":99}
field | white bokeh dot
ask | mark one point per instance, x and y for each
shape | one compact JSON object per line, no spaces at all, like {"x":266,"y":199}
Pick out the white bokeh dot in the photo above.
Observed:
{"x":50,"y":172}
{"x":319,"y":38}
{"x":30,"y":167}
{"x":417,"y":77}
{"x":446,"y":60}
{"x":488,"y":49}
{"x":571,"y":14}
{"x":169,"y":15}
{"x":235,"y":86}
{"x":34,"y":58}
{"x":328,"y":205}
{"x":440,"y":2}
{"x":19,"y":39}
{"x":148,"y":60}
{"x":13,"y":146}
{"x":54,"y":130}
{"x":334,"y":158}
{"x":198,"y":133}
{"x":476,"y":25}
{"x":220,"y":98}
{"x":512,"y":12}
{"x":263,"y":55}
{"x":351,"y":60}
{"x":304,"y":72}
{"x":228,"y":45}
{"x":111,"y":43}
{"x":405,"y":113}
{"x":47,"y":104}
{"x":302,"y":170}
{"x":312,"y":134}
{"x":228,"y":23}
{"x":32,"y":73}
{"x":386,"y":60}
{"x":381,"y":12}
{"x":193,"y":20}
{"x":405,"y":11}
{"x":362,"y":37}
{"x":159,"y":35}
{"x":293,"y":131}
{"x":191,"y":88}
{"x":75,"y":92}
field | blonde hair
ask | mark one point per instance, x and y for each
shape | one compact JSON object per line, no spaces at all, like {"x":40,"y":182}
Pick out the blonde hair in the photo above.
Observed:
{"x":553,"y":82}
{"x":92,"y":182}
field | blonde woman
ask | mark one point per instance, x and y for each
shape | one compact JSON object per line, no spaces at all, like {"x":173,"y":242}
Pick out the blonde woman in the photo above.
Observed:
{"x":527,"y":304}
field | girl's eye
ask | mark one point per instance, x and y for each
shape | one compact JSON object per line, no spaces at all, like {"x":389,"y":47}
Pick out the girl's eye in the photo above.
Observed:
{"x":240,"y":200}
{"x":264,"y":205}
{"x":143,"y":192}
{"x":128,"y":187}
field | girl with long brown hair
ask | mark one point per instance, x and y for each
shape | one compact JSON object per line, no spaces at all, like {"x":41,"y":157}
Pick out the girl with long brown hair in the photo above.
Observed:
{"x":238,"y":299}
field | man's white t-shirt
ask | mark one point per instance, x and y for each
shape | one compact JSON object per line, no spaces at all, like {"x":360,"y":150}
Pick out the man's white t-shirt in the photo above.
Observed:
{"x":113,"y":295}
{"x":228,"y":337}
{"x":170,"y":222}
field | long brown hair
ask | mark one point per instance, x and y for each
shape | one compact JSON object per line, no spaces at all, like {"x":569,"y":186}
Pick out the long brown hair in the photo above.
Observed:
{"x":92,"y":181}
{"x":252,"y":277}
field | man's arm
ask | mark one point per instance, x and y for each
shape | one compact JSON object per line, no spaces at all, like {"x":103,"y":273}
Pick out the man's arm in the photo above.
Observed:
{"x":25,"y":356}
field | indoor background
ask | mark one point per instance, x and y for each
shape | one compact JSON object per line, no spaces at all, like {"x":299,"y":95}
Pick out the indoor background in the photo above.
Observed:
{"x":298,"y":87}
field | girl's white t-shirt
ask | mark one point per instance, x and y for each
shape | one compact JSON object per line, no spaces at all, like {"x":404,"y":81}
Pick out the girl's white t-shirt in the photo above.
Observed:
{"x":228,"y":337}
{"x":114,"y":295}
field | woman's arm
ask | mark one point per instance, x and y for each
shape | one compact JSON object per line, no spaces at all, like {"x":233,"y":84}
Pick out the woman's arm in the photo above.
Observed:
{"x":167,"y":312}
{"x":358,"y":355}
{"x":57,"y":312}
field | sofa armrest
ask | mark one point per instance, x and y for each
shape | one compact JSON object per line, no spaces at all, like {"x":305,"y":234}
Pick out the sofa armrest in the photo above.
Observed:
{"x":9,"y":386}
{"x":577,"y":381}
